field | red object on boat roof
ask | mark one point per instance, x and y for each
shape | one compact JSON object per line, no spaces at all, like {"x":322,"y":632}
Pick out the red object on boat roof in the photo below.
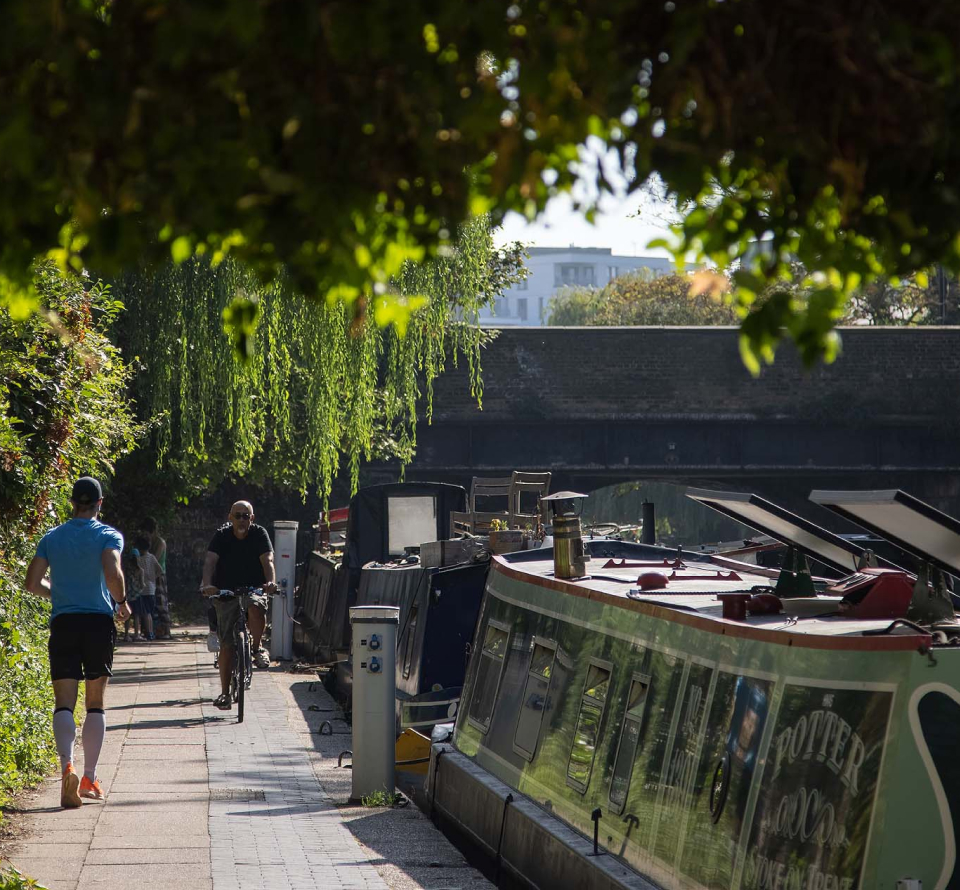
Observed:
{"x":652,"y":581}
{"x":628,"y":564}
{"x":765,"y":604}
{"x":718,"y":576}
{"x":734,"y":605}
{"x":875,"y":593}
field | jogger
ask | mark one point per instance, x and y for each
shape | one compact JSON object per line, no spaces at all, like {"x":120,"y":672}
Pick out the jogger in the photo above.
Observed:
{"x":86,"y":584}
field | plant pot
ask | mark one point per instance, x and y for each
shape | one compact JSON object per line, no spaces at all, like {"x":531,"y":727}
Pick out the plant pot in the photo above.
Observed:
{"x":506,"y":541}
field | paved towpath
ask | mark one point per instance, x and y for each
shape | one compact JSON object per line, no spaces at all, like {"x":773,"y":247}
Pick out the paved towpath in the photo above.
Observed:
{"x":195,"y":800}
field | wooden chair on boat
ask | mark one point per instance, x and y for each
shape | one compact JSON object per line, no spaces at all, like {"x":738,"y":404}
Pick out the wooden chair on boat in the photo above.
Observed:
{"x":511,"y":490}
{"x":533,"y":485}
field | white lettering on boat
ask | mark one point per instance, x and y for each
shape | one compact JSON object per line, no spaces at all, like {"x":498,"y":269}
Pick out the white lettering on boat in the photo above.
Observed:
{"x":762,"y":873}
{"x":807,"y":815}
{"x":827,"y":738}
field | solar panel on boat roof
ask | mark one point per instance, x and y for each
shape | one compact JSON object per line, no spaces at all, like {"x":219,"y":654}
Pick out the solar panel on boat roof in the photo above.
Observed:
{"x":903,"y":520}
{"x":786,"y":527}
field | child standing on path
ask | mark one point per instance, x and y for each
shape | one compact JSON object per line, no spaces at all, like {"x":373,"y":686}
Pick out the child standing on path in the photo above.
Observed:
{"x":158,"y":547}
{"x":152,"y":583}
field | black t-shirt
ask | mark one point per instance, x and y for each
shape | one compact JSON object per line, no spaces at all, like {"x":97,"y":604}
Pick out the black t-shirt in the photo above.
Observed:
{"x":239,"y":563}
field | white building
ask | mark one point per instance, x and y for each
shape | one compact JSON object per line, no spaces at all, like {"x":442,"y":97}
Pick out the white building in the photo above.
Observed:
{"x":551,"y":268}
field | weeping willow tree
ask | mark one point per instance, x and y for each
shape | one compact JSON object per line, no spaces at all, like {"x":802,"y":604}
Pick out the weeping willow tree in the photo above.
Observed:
{"x":313,"y":382}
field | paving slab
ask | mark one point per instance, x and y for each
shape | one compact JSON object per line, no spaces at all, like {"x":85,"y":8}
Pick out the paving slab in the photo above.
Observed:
{"x":140,"y":855}
{"x":196,"y":800}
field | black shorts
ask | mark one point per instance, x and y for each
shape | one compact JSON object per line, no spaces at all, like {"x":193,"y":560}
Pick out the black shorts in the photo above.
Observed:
{"x":81,"y":646}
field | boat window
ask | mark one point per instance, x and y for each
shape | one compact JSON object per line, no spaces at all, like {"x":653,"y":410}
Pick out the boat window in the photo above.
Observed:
{"x":587,"y":732}
{"x":487,"y":684}
{"x":534,"y":700}
{"x":410,"y":522}
{"x":598,"y":679}
{"x":629,"y":740}
{"x":542,"y":662}
{"x":411,"y":639}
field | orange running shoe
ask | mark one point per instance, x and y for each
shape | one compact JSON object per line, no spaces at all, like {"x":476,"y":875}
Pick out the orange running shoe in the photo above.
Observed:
{"x":70,"y":788}
{"x":91,"y":790}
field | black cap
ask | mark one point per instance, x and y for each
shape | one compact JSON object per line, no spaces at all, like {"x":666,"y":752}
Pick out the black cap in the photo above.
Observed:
{"x":86,"y":490}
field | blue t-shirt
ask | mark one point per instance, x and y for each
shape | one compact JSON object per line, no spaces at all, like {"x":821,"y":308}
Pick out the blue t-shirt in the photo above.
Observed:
{"x":74,"y":551}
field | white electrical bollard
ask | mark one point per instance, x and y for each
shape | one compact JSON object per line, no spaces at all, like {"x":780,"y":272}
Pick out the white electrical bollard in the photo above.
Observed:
{"x":374,"y":698}
{"x":281,"y":612}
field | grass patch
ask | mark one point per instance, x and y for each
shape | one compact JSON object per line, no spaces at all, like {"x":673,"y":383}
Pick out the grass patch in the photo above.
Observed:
{"x":379,"y":799}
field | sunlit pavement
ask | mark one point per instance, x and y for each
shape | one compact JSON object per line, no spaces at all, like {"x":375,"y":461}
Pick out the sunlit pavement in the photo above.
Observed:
{"x":196,"y":800}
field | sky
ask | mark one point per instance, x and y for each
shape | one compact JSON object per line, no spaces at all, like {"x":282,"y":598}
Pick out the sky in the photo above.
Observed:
{"x":626,"y":225}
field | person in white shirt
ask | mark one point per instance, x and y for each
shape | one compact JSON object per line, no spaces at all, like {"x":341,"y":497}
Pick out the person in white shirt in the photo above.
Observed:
{"x":153,"y":581}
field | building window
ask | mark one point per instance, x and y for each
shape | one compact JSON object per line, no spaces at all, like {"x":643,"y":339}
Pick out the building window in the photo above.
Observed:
{"x":411,"y":639}
{"x":534,"y":701}
{"x":629,"y":741}
{"x":522,"y":285}
{"x":522,"y":308}
{"x":592,"y":704}
{"x":542,"y":312}
{"x":570,"y":274}
{"x":488,"y":675}
{"x":612,"y":272}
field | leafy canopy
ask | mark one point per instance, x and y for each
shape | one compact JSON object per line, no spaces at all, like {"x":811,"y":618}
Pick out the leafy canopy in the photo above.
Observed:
{"x":339,"y":140}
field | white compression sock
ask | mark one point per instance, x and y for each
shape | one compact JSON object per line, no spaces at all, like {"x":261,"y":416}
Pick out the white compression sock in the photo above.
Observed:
{"x":65,"y":734}
{"x":94,"y":729}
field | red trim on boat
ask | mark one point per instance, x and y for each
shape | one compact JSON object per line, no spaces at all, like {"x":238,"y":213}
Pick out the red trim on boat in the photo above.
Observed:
{"x":896,"y":643}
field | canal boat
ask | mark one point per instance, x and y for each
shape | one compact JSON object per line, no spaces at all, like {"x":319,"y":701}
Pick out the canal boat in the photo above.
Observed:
{"x":385,"y":528}
{"x":689,"y":721}
{"x":383,"y":522}
{"x":396,"y":553}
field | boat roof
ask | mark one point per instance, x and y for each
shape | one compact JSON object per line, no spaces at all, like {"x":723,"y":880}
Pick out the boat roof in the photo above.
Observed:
{"x":693,"y":584}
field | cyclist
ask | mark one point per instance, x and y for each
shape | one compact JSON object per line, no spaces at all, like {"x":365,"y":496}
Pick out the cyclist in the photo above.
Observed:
{"x":240,"y":555}
{"x":86,"y":584}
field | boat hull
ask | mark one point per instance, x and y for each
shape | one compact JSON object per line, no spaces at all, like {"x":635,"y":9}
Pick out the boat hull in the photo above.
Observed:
{"x":720,"y":756}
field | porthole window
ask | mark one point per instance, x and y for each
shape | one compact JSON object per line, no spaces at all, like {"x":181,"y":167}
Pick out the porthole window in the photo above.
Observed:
{"x":629,"y":741}
{"x":534,"y":701}
{"x":592,"y":704}
{"x":492,"y":656}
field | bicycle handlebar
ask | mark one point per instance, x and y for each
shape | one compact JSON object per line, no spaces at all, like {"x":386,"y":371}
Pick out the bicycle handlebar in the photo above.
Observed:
{"x":241,"y":591}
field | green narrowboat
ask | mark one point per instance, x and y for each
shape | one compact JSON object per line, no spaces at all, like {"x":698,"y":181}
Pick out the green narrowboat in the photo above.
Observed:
{"x":696,"y":730}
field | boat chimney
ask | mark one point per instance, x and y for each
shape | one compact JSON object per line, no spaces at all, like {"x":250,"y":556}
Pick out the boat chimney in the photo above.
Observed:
{"x":569,"y":560}
{"x":648,"y":515}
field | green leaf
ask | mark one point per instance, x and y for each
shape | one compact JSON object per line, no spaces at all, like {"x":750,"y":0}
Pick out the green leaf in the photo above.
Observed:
{"x":180,"y":249}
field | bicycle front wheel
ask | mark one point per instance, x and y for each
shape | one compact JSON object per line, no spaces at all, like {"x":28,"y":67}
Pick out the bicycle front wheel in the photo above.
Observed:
{"x":241,"y":670}
{"x":247,"y":660}
{"x":240,"y":692}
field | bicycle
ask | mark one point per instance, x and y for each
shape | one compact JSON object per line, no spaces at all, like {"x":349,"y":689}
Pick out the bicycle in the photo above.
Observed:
{"x":242,"y":655}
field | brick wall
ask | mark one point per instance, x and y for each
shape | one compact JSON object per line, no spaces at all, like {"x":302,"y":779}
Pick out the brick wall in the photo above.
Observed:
{"x":891,"y":375}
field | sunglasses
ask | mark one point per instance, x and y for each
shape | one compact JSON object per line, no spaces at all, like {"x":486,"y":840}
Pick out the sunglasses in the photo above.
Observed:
{"x":241,"y":515}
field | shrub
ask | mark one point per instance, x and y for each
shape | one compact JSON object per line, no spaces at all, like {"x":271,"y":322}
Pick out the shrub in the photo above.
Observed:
{"x":63,"y":412}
